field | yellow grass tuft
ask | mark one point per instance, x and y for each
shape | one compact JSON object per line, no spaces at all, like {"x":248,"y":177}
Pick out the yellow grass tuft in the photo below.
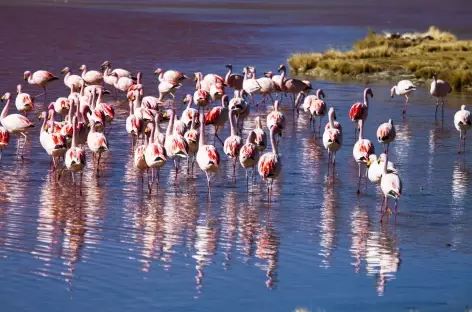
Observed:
{"x":417,"y":55}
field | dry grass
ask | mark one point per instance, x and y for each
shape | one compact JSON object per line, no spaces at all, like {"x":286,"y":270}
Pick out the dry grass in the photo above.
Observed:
{"x":417,"y":55}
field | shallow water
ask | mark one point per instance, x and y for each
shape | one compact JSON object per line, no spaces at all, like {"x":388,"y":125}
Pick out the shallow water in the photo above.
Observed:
{"x":319,"y":246}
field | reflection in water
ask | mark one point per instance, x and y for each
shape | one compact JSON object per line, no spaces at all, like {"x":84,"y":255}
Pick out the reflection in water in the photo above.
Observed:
{"x":377,"y":248}
{"x":205,"y":245}
{"x":248,"y":221}
{"x":268,"y":244}
{"x":328,"y":224}
{"x":382,"y":258}
{"x":460,"y":184}
{"x":402,"y":145}
{"x":229,"y":218}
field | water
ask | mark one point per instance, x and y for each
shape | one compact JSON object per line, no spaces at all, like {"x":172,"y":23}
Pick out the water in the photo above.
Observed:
{"x":319,"y":246}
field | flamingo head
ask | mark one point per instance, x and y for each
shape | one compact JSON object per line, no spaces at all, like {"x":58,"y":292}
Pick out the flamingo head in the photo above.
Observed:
{"x":320,"y":94}
{"x":158,"y":71}
{"x":131,"y":96}
{"x":82,"y":68}
{"x":106,"y":64}
{"x":18,"y":89}
{"x":197,"y":76}
{"x":6,"y":96}
{"x":229,"y":66}
{"x":268,"y":74}
{"x":332,"y":112}
{"x":26,"y":74}
{"x":308,"y":85}
{"x":225,"y":100}
{"x":435,"y":76}
{"x":42,"y":115}
{"x":382,"y":158}
{"x":368,"y":91}
{"x":392,"y":91}
{"x":65,"y":70}
{"x":372,"y":159}
{"x":149,"y":127}
{"x":187,"y":98}
{"x":281,"y":68}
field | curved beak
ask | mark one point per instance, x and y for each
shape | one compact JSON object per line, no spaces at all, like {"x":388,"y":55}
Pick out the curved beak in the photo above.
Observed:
{"x":81,"y":68}
{"x":63,"y":70}
{"x":3,"y":98}
{"x":25,"y":77}
{"x":185,"y":100}
{"x":368,"y":163}
{"x":104,"y":64}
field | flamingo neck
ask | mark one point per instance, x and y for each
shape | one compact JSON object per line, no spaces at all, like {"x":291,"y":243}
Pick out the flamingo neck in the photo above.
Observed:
{"x":384,"y":167}
{"x":74,"y":134}
{"x":131,"y":112}
{"x":44,"y":123}
{"x":366,"y":99}
{"x":201,"y":141}
{"x":258,"y":124}
{"x":66,"y":77}
{"x":137,"y":100}
{"x":231,"y":123}
{"x":254,"y":73}
{"x":5,"y":109}
{"x":228,"y":74}
{"x":170,"y":126}
{"x":361,"y":130}
{"x":331,"y":121}
{"x":30,"y":79}
{"x":272,"y":142}
{"x":99,"y":98}
{"x":151,"y":138}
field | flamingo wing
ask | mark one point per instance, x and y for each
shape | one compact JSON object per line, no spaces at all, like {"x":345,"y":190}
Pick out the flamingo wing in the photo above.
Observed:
{"x":356,"y":112}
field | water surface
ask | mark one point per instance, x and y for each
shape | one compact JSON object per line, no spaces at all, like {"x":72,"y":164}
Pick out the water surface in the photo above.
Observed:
{"x":318,"y":246}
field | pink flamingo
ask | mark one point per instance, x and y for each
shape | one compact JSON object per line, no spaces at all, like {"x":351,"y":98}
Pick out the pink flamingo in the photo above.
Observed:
{"x":71,"y":80}
{"x":270,"y":164}
{"x":386,"y":134}
{"x":166,"y":87}
{"x":276,"y":119}
{"x":189,"y":112}
{"x":62,"y":106}
{"x":361,"y":151}
{"x":53,"y":143}
{"x":75,"y":156}
{"x":249,"y":154}
{"x":172,"y":76}
{"x":217,"y":117}
{"x":192,"y":137}
{"x":154,"y":155}
{"x":462,"y":122}
{"x":316,"y":106}
{"x":332,"y":138}
{"x":175,"y":144}
{"x":201,"y":97}
{"x":208,"y":158}
{"x":91,"y":77}
{"x":233,"y":81}
{"x":391,"y":185}
{"x":4,"y":140}
{"x":439,"y":89}
{"x":233,"y":143}
{"x":40,"y":78}
{"x":359,"y":111}
{"x":261,"y":137}
{"x":97,"y":144}
{"x":15,"y":123}
{"x":24,"y":101}
{"x":292,"y":85}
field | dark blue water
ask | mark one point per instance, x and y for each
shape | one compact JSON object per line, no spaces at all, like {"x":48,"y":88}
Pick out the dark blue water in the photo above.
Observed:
{"x":319,"y":246}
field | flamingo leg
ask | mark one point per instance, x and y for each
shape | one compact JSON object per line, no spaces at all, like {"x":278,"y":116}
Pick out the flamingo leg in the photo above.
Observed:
{"x":384,"y":203}
{"x":396,"y":209}
{"x":208,"y":182}
{"x":234,"y":169}
{"x":334,"y":164}
{"x":24,"y":144}
{"x":404,"y":108}
{"x":463,"y":150}
{"x":80,"y":185}
{"x":98,"y":165}
{"x":442,"y":108}
{"x":158,"y":174}
{"x":436,"y":112}
{"x":188,"y":165}
{"x":359,"y":180}
{"x":460,"y":141}
{"x":176,"y":166}
{"x":329,"y":161}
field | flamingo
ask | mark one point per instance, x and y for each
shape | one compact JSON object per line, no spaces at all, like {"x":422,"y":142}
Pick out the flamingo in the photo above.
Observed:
{"x":217,"y":90}
{"x":249,"y":154}
{"x":250,"y":85}
{"x":75,"y":156}
{"x":155,"y":153}
{"x":232,"y":143}
{"x":201,"y":97}
{"x":439,"y":89}
{"x":175,"y":144}
{"x":24,"y":101}
{"x":62,"y":106}
{"x":179,"y":126}
{"x":133,"y":124}
{"x":332,"y":138}
{"x":405,"y":88}
{"x":91,"y":77}
{"x":386,"y":134}
{"x":192,"y":136}
{"x":276,"y":119}
{"x":15,"y":123}
{"x":166,"y":87}
{"x":189,"y":112}
{"x":171,"y":76}
{"x":359,"y":111}
{"x":139,"y":158}
{"x":277,"y":79}
{"x":119,"y":71}
{"x":53,"y":143}
{"x":97,"y":144}
{"x":218,"y":116}
{"x":122,"y":83}
{"x":361,"y":151}
{"x":292,"y":85}
{"x":261,"y":138}
{"x":233,"y":81}
{"x":391,"y":185}
{"x":270,"y":164}
{"x":208,"y":158}
{"x":462,"y":122}
{"x":375,"y":168}
{"x":40,"y":78}
{"x":267,"y":87}
{"x":239,"y":105}
{"x":111,"y":76}
{"x":316,"y":106}
{"x":4,"y":140}
{"x":71,"y":80}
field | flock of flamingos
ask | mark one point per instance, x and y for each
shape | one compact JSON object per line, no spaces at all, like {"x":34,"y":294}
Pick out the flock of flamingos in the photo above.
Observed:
{"x":86,"y":120}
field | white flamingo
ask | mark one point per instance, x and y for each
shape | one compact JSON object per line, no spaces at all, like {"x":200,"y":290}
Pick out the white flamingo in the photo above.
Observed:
{"x":403,"y":88}
{"x":439,"y":89}
{"x":462,"y":122}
